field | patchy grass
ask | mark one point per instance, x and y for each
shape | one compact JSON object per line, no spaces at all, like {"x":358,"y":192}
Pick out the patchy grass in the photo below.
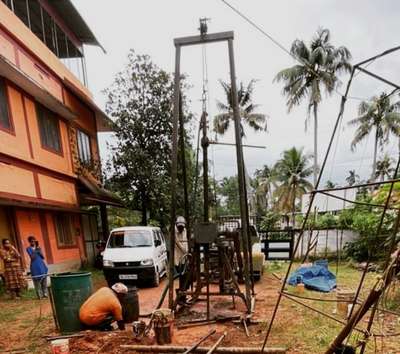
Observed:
{"x":310,"y":332}
{"x":298,"y":328}
{"x":24,"y":323}
{"x":10,"y":311}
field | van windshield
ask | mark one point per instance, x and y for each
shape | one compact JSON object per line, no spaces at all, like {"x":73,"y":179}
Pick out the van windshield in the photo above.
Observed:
{"x":130,"y":238}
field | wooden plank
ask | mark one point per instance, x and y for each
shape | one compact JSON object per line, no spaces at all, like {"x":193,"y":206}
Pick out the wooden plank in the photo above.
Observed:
{"x":181,"y":349}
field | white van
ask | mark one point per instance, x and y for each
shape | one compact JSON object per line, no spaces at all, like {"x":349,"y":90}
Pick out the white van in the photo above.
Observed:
{"x":135,"y":253}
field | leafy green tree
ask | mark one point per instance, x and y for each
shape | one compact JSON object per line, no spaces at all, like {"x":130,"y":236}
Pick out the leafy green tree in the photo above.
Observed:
{"x":321,"y":64}
{"x":364,"y":221}
{"x":326,"y":221}
{"x":352,"y":178}
{"x":139,"y":101}
{"x":257,"y":121}
{"x":270,"y":221}
{"x":378,"y":116}
{"x":381,"y":195}
{"x":228,"y":189}
{"x":369,"y":244}
{"x":290,"y":175}
{"x":119,"y":217}
{"x":384,"y":168}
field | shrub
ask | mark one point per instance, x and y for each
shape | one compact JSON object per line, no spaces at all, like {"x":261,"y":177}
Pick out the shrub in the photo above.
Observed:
{"x":368,"y":245}
{"x":270,"y":221}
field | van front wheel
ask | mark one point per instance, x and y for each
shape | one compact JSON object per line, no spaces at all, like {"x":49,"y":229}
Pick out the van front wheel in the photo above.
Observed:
{"x":156,"y":279}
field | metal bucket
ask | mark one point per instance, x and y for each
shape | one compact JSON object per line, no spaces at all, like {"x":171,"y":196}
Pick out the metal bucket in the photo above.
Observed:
{"x":163,"y":320}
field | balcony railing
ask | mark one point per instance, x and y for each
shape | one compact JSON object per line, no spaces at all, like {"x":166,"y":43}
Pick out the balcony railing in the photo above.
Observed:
{"x":50,"y":32}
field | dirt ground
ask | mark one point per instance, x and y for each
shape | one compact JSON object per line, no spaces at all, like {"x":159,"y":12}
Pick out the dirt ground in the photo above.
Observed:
{"x":110,"y":342}
{"x":24,"y":324}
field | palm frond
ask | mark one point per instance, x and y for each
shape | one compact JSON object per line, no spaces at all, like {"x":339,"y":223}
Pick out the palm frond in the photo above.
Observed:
{"x":222,"y":122}
{"x":300,"y":50}
{"x":257,"y":121}
{"x":222,"y":106}
{"x":359,"y":136}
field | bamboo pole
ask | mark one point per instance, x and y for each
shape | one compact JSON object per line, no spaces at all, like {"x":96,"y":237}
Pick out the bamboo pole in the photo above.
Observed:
{"x":201,"y":340}
{"x":217,"y":344}
{"x":181,"y":349}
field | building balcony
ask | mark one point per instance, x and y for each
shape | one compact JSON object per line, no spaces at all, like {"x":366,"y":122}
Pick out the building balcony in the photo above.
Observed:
{"x":59,"y":27}
{"x":27,"y":61}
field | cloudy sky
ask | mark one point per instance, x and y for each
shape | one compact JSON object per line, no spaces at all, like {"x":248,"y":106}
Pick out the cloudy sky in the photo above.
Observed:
{"x":149,"y":27}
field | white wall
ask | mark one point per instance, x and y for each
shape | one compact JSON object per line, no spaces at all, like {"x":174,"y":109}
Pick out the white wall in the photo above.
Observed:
{"x":325,"y":203}
{"x":330,"y":239}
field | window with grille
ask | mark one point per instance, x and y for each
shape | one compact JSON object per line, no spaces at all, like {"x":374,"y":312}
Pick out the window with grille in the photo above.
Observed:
{"x":64,"y":230}
{"x":5,"y":121}
{"x":85,"y":154}
{"x":49,"y":129}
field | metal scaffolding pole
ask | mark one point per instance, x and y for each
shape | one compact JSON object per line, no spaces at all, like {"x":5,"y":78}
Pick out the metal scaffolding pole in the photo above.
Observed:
{"x":184,"y":172}
{"x":241,"y":177}
{"x":174,"y":172}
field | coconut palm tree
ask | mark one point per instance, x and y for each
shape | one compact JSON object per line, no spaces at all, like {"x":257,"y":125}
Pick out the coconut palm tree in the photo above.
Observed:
{"x":262,"y":189}
{"x":384,"y":168}
{"x":247,"y":108}
{"x":290,"y":176}
{"x":380,"y":116}
{"x":329,"y":184}
{"x":352,"y":178}
{"x":321,"y":63}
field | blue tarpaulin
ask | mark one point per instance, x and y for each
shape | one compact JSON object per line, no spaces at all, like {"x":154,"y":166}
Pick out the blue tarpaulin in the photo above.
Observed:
{"x":314,"y":277}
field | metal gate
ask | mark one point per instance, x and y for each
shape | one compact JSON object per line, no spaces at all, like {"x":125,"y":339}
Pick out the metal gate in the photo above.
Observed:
{"x":277,"y":244}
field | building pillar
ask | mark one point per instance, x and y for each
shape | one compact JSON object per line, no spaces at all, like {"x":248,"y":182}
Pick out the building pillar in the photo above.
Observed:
{"x":104,"y":221}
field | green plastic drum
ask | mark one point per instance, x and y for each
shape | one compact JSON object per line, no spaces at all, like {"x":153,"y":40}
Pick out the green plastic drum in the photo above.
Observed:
{"x":69,"y":291}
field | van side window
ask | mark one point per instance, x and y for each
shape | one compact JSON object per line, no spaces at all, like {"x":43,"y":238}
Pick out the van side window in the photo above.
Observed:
{"x":155,"y":236}
{"x":161,"y":236}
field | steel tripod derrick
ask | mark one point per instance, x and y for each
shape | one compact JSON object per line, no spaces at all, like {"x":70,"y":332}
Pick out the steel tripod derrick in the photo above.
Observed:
{"x":223,"y":241}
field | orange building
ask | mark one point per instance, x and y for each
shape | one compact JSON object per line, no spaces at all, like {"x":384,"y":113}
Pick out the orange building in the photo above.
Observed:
{"x":49,"y":155}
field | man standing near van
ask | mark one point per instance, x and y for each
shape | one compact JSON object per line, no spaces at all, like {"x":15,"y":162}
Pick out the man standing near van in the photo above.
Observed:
{"x":181,"y":242}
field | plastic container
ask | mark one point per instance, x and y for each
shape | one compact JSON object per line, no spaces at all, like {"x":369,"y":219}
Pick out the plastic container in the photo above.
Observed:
{"x":69,"y":291}
{"x":60,"y":346}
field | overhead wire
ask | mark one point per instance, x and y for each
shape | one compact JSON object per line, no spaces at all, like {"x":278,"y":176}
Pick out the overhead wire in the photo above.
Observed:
{"x":343,"y":97}
{"x":283,"y":48}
